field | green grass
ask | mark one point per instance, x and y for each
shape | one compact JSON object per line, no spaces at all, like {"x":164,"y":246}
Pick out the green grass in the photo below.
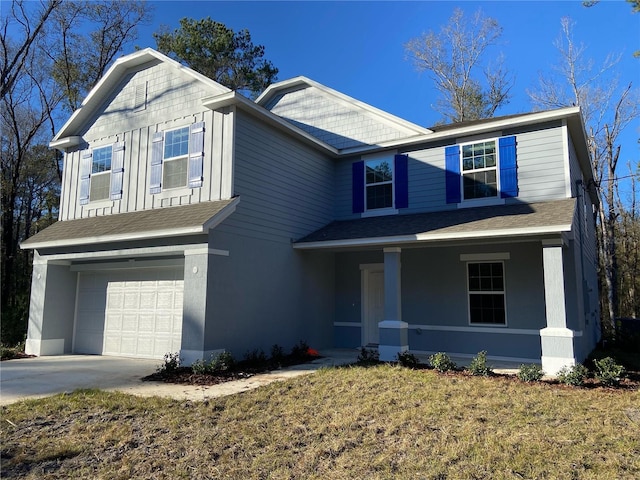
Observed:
{"x":378,"y":422}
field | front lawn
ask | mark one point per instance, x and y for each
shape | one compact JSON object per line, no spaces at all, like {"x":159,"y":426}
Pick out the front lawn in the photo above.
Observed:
{"x":378,"y":422}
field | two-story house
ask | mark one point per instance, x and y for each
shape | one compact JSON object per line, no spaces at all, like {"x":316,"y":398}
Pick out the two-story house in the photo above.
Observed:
{"x":195,"y":220}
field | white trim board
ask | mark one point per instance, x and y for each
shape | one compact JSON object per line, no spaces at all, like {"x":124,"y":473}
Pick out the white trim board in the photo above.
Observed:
{"x":489,"y":330}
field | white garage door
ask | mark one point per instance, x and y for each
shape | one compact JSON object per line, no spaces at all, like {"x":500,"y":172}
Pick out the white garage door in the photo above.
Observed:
{"x":132,"y":313}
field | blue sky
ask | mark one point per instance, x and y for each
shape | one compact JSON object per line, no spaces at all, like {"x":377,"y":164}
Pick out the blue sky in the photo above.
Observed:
{"x":358,"y":47}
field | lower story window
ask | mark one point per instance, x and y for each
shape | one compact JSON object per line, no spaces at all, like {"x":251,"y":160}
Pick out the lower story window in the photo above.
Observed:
{"x":486,"y":293}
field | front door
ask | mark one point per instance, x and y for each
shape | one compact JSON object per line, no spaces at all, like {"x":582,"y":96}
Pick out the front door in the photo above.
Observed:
{"x":373,"y":305}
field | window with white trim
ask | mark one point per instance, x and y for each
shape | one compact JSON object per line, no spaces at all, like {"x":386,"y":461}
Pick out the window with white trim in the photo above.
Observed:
{"x":100,"y":173}
{"x":379,"y":183}
{"x":486,"y":291}
{"x":479,"y":170}
{"x":175,"y":158}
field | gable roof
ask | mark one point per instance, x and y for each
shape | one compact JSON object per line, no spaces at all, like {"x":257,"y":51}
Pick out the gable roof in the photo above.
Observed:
{"x":120,"y":68}
{"x":143,"y":224}
{"x":333,"y":117}
{"x":504,"y":221}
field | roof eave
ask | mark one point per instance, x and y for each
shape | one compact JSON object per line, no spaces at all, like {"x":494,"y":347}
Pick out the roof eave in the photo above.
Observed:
{"x":209,"y":224}
{"x":498,"y":124}
{"x":66,"y":142}
{"x":434,"y":237}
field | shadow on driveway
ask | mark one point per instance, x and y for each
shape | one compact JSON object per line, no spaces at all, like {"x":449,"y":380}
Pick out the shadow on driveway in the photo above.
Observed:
{"x":43,"y":376}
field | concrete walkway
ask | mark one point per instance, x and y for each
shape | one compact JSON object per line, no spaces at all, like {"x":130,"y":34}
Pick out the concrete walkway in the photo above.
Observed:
{"x":39,"y":377}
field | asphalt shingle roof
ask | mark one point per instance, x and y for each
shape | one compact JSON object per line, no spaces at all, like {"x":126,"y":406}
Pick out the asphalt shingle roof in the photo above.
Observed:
{"x":460,"y":221}
{"x":132,"y":223}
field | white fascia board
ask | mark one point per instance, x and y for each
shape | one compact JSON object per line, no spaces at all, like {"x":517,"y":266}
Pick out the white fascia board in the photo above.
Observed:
{"x":120,"y":237}
{"x":165,"y":250}
{"x":433,"y":237}
{"x":234,"y":98}
{"x":66,"y":142}
{"x":498,"y":124}
{"x":113,"y":76}
{"x":391,"y":119}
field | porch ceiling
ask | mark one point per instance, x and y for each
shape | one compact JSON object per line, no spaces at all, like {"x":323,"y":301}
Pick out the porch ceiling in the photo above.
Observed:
{"x":517,"y":220}
{"x":159,"y":222}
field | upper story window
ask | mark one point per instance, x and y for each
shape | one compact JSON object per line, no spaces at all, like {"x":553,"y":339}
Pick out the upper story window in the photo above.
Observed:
{"x":479,"y":170}
{"x":101,"y":173}
{"x":379,"y":184}
{"x":177,"y":158}
{"x":485,"y":170}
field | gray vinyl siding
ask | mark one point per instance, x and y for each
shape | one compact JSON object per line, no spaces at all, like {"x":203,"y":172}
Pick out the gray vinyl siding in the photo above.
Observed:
{"x":265,"y":293}
{"x":541,"y":173}
{"x":172,"y":101}
{"x":334,"y":121}
{"x":285,"y":188}
{"x":541,"y":165}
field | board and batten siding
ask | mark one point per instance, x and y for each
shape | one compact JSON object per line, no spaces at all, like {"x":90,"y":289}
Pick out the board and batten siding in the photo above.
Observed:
{"x":172,"y":102}
{"x":541,"y":173}
{"x":286,"y":188}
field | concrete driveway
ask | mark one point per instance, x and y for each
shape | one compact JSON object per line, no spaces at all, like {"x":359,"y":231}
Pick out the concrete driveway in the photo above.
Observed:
{"x":44,"y":376}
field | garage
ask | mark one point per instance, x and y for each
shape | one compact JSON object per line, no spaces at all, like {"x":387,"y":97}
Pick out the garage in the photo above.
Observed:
{"x":129,"y":313}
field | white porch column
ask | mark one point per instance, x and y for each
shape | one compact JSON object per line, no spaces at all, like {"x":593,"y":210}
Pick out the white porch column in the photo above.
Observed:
{"x":557,"y":340}
{"x":393,"y":331}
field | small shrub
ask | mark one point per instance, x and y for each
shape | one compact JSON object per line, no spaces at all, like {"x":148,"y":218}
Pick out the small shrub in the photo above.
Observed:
{"x":255,"y":358}
{"x":441,"y":362}
{"x":574,"y":375}
{"x":171,"y":363}
{"x":608,"y":372}
{"x":222,"y":362}
{"x":408,"y":360}
{"x":200,"y":367}
{"x":300,"y":351}
{"x":368,"y":356}
{"x":277,"y":354}
{"x":530,"y":373}
{"x":478,"y":365}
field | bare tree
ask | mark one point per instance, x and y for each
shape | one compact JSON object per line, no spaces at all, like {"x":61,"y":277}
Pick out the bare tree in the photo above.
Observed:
{"x":79,"y":59}
{"x":607,"y":109}
{"x":47,"y":67}
{"x":468,"y":88}
{"x":16,"y":54}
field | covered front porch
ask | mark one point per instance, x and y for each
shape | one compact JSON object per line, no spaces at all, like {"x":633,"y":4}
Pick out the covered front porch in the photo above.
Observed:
{"x":459,"y":288}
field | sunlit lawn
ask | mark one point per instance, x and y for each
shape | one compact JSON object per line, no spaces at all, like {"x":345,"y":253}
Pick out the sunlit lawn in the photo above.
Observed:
{"x":379,"y":422}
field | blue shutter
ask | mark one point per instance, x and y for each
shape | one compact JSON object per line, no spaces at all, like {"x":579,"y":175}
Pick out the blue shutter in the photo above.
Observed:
{"x":117,"y":171}
{"x":357,"y":179}
{"x":401,"y":178}
{"x":508,"y":167}
{"x":85,"y":175}
{"x":452,"y":164}
{"x":196,"y":154}
{"x":155,"y":179}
